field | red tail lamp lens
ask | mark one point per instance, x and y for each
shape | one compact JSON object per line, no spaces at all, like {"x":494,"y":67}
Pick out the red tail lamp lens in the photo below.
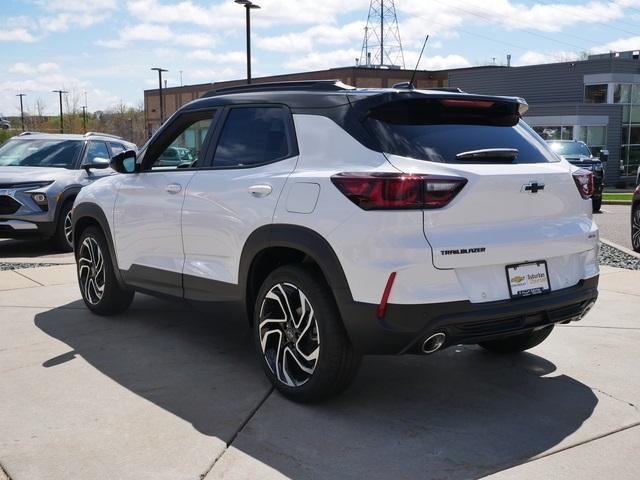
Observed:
{"x":584,"y":182}
{"x":397,"y":191}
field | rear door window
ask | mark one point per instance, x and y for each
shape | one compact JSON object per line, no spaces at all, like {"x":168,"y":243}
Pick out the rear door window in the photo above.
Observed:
{"x":253,"y":136}
{"x":418,"y":130}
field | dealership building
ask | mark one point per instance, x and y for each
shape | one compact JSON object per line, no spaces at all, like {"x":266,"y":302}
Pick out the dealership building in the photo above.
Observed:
{"x":596,"y":100}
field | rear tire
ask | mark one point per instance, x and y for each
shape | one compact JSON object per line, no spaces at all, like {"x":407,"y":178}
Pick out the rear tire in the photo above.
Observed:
{"x":99,"y":287}
{"x":518,"y":343}
{"x":596,"y":203}
{"x":63,"y":237}
{"x":300,"y":339}
{"x":635,"y":227}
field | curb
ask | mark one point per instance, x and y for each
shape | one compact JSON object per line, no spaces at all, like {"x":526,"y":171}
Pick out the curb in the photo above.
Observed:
{"x":621,"y":248}
{"x":616,"y":202}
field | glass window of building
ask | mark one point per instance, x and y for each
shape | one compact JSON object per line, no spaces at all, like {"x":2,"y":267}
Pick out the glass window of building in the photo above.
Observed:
{"x":554,"y":132}
{"x":595,"y":136}
{"x":630,"y":153}
{"x":595,"y":93}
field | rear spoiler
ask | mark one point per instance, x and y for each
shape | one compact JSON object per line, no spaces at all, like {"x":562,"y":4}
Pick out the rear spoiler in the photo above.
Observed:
{"x":438,"y":107}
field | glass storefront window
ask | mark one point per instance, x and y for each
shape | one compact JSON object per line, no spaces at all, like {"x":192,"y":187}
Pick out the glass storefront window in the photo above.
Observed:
{"x":635,"y":134}
{"x":566,"y":133}
{"x":554,"y":132}
{"x":631,"y":156}
{"x":595,"y":93}
{"x":592,"y":135}
{"x":622,"y":93}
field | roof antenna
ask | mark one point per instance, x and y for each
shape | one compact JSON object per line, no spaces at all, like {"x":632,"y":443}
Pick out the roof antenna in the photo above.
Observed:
{"x":413,"y":77}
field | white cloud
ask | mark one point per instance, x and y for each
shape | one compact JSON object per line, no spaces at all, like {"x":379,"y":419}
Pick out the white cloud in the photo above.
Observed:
{"x":62,"y":22}
{"x":323,"y":60}
{"x":534,"y":58}
{"x":225,"y":57}
{"x":17,"y":35}
{"x":350,"y":33}
{"x":158,"y":33}
{"x":28,"y":69}
{"x":442,"y":62}
{"x":619,"y":45}
{"x":80,"y":6}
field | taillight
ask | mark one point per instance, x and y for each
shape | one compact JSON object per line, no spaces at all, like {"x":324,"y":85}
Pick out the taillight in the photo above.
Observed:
{"x":584,"y":182}
{"x":398,"y":191}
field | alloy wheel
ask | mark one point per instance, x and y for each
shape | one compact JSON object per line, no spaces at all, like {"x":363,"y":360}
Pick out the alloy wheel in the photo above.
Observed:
{"x":635,"y":229}
{"x":91,"y":270}
{"x":289,"y":336}
{"x":68,"y":228}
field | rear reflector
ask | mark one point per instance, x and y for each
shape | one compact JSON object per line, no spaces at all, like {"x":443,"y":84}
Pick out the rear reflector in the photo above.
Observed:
{"x":382,"y":308}
{"x":398,"y":191}
{"x":584,"y":182}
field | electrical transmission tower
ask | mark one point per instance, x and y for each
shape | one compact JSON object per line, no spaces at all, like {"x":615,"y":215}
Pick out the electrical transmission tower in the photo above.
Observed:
{"x":382,"y":46}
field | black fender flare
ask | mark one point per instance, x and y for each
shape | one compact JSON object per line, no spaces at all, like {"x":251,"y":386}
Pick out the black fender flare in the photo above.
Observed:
{"x":92,"y":211}
{"x":300,"y":238}
{"x":67,"y":194}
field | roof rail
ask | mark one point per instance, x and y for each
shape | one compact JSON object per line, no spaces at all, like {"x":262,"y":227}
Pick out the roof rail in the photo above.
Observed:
{"x":28,"y":133}
{"x":446,"y":89}
{"x":95,"y":134}
{"x":307,"y":85}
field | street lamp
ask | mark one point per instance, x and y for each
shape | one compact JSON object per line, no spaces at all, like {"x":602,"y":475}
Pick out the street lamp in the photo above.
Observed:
{"x":21,"y":108}
{"x":248,"y":5}
{"x":60,"y":92}
{"x":84,"y":119}
{"x":160,"y":70}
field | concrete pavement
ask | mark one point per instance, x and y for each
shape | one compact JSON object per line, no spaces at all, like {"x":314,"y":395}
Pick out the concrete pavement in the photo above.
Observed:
{"x":165,"y":392}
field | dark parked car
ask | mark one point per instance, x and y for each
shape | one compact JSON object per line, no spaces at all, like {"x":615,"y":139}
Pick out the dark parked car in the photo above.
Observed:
{"x":577,"y":153}
{"x":635,"y":220}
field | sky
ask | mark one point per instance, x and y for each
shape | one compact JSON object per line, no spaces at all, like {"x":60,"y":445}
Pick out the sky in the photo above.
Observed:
{"x":107,"y":47}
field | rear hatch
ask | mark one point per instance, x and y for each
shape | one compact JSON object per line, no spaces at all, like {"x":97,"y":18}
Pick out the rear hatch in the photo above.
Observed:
{"x":520,"y":202}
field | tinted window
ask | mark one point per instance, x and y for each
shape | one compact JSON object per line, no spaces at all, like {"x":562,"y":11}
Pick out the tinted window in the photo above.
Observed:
{"x":96,"y":150}
{"x":595,"y":93}
{"x":116,"y":148}
{"x":187,"y":144}
{"x":442,"y":142}
{"x":40,"y":153}
{"x":252,"y":136}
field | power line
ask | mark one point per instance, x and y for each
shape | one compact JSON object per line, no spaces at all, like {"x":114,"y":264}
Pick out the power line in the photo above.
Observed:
{"x":529,"y":31}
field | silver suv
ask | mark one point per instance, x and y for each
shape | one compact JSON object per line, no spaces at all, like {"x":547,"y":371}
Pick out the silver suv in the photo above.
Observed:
{"x":40,"y":176}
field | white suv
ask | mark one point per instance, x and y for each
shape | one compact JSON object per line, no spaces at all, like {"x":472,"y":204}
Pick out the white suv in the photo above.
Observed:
{"x":347,"y":222}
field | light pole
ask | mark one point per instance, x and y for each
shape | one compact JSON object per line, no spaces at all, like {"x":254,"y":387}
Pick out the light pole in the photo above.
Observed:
{"x":21,"y":108}
{"x":60,"y":92}
{"x":84,"y":119}
{"x":248,"y":6}
{"x":160,"y":70}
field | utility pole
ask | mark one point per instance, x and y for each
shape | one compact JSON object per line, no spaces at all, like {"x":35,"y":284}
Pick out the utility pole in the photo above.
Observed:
{"x":84,"y":119}
{"x":180,"y":77}
{"x":248,"y":5}
{"x":60,"y":92}
{"x":160,"y":70}
{"x":21,"y":108}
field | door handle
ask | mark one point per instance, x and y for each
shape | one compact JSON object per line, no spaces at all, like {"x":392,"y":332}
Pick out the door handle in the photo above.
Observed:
{"x":260,"y":190}
{"x":173,"y":188}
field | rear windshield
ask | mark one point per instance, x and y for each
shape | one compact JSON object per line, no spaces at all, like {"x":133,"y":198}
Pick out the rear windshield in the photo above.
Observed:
{"x":40,"y":153}
{"x":418,"y":131}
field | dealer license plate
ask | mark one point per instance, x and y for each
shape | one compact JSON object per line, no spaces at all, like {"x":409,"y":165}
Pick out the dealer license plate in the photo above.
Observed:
{"x":528,"y":279}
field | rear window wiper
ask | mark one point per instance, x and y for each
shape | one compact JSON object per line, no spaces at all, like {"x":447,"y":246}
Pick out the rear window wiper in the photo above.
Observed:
{"x":503,"y":154}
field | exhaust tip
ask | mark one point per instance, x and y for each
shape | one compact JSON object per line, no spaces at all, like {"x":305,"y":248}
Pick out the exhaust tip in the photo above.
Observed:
{"x":434,"y":342}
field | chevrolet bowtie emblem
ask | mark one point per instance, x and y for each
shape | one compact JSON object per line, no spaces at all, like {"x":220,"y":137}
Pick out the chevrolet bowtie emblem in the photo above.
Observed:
{"x":533,"y":187}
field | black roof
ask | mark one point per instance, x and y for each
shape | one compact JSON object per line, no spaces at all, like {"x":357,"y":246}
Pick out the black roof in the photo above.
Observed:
{"x":312,"y":94}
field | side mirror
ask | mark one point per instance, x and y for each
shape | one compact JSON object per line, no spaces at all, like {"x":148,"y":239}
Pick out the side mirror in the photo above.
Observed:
{"x":124,"y":162}
{"x":604,"y":155}
{"x":96,"y":163}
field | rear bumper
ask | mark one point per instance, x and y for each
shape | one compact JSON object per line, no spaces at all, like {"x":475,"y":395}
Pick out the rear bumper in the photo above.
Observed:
{"x":405,"y":327}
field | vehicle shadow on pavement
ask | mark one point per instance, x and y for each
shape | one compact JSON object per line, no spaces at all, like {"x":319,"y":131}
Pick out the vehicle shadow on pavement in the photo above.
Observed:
{"x":27,"y":249}
{"x":458,"y":414}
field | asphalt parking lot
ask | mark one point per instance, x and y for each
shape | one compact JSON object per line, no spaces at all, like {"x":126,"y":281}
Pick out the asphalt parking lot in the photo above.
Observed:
{"x":614,"y":222}
{"x":166,"y":392}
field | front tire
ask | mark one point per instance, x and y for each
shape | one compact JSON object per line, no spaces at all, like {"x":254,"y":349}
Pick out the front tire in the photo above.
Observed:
{"x":518,"y":343}
{"x":63,"y":237}
{"x":596,"y":204}
{"x":635,"y":227}
{"x":301,"y":341}
{"x":99,"y":287}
